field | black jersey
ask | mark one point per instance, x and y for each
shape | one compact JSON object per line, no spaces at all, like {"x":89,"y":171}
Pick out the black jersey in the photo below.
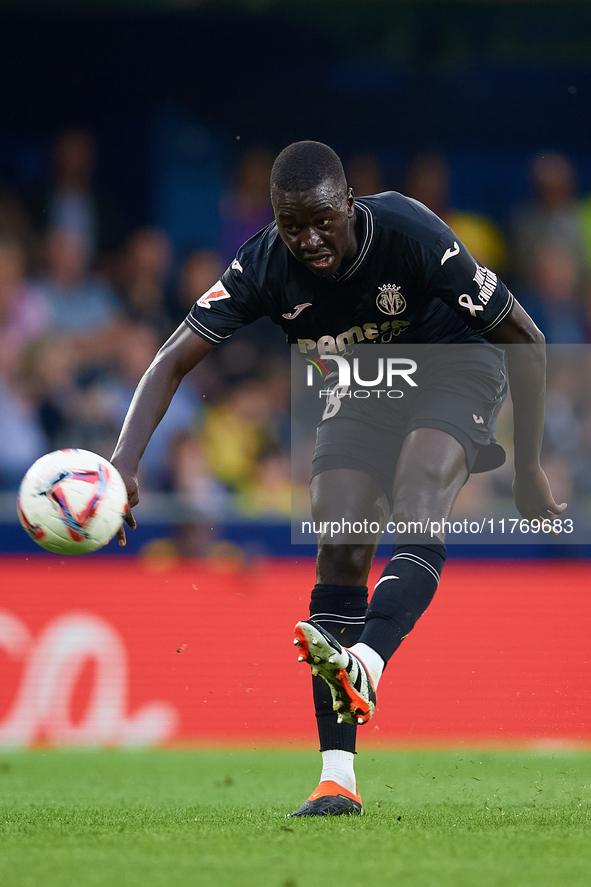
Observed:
{"x":411,"y":281}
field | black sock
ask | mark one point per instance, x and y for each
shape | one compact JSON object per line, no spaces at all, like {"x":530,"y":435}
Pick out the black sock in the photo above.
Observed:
{"x":402,"y":595}
{"x":340,"y":609}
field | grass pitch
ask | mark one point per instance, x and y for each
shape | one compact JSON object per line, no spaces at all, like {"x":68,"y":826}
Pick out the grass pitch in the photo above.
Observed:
{"x":154,"y":819}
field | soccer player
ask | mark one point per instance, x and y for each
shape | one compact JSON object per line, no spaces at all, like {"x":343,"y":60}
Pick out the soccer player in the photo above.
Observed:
{"x":334,"y":271}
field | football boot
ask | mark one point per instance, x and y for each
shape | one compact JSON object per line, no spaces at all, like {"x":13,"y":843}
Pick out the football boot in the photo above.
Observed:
{"x":351,"y":687}
{"x":330,"y":799}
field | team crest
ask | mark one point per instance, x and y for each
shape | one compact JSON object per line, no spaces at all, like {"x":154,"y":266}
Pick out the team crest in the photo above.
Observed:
{"x":390,"y":300}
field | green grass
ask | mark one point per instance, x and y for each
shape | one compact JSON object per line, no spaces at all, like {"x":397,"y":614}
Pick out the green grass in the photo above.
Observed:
{"x":217,"y":820}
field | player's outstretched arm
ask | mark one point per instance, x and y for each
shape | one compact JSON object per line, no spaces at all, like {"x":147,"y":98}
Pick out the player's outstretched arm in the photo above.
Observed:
{"x":180,"y":354}
{"x":527,"y":380}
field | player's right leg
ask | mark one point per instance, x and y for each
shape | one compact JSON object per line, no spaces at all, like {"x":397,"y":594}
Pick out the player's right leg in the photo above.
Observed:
{"x":337,"y":618}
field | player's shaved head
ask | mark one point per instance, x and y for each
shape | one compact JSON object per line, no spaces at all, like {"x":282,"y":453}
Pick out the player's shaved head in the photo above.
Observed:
{"x":306,"y":165}
{"x":314,"y":209}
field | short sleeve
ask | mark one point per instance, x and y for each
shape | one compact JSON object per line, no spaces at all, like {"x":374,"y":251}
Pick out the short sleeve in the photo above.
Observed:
{"x":231,"y":303}
{"x":472,"y":290}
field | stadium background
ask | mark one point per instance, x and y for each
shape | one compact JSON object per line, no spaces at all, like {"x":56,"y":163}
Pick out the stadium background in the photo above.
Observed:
{"x":135,"y":146}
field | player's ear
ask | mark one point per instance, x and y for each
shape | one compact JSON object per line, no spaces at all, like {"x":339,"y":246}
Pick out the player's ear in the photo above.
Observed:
{"x":350,"y":201}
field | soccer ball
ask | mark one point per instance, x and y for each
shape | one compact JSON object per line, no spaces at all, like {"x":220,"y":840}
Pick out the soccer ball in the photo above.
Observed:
{"x":72,"y":501}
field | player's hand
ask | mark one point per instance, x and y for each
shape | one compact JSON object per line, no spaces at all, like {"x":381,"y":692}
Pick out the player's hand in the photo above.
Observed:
{"x":533,"y":496}
{"x":131,"y":485}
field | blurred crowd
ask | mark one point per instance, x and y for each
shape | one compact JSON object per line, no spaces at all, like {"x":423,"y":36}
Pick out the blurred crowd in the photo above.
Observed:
{"x":85,"y":303}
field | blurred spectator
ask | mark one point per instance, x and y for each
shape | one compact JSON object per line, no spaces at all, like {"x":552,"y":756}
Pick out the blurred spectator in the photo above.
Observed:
{"x":87,"y":410}
{"x":72,"y":204}
{"x":22,"y":440}
{"x":584,"y":216}
{"x":428,"y":181}
{"x":238,"y":432}
{"x":200,"y":270}
{"x":277,"y":378}
{"x":79,"y":302}
{"x":269,"y":491}
{"x":562,"y":431}
{"x":566,"y":455}
{"x":364,"y":175}
{"x":193,"y":480}
{"x":142,"y":276}
{"x":15,"y":223}
{"x":247,"y":207}
{"x":555,"y":300}
{"x":137,"y":347}
{"x":582,"y":370}
{"x":550,"y":219}
{"x":24,"y":310}
{"x":50,"y":373}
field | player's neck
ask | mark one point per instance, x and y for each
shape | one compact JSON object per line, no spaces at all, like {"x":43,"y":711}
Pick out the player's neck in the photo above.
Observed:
{"x":356,"y":239}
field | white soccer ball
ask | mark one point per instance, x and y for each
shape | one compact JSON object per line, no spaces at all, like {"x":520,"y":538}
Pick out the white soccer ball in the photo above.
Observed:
{"x":72,"y":501}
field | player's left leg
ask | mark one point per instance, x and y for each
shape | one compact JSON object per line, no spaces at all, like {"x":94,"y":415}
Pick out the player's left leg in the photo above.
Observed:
{"x":430,"y":473}
{"x":452,"y":417}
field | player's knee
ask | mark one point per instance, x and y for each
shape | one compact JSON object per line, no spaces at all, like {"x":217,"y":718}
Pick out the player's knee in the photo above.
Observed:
{"x":430,"y":478}
{"x":344,"y":564}
{"x":430,"y":493}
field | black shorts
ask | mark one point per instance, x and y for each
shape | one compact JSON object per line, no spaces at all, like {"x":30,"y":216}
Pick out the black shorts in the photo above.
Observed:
{"x":460,"y":390}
